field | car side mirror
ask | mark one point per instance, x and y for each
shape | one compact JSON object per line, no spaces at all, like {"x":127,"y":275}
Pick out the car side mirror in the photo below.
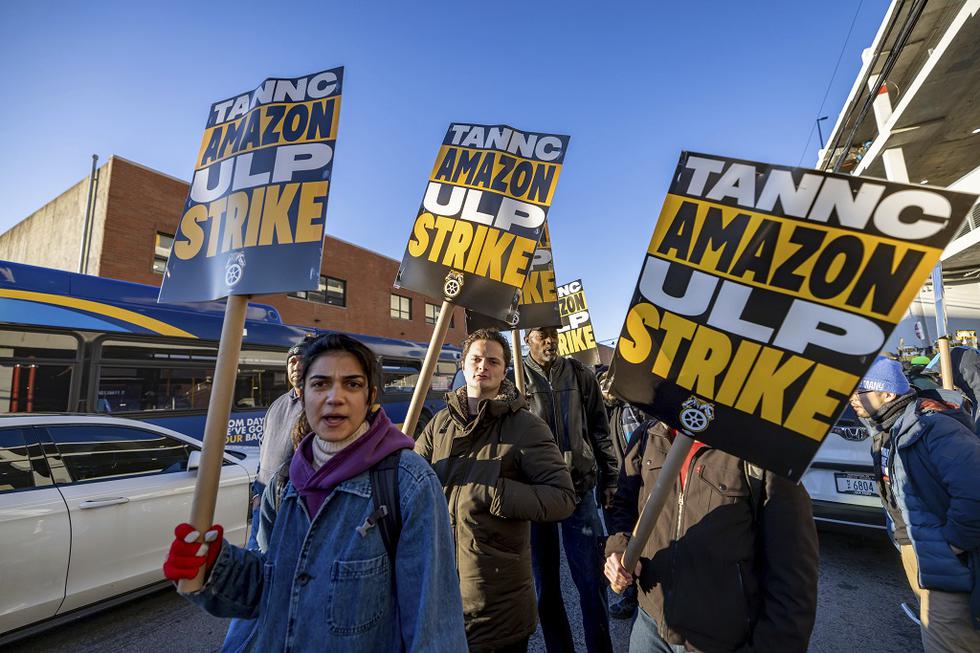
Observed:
{"x":194,"y":460}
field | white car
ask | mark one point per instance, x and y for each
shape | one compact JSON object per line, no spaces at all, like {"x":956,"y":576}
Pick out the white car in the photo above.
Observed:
{"x":87,"y":511}
{"x":841,"y":480}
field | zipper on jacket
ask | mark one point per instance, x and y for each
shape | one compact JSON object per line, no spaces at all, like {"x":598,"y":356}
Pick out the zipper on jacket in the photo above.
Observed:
{"x":745,"y":597}
{"x":558,"y":421}
{"x":677,"y":535}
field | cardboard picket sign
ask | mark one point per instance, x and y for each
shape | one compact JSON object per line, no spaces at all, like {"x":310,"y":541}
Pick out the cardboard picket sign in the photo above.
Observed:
{"x":766,"y":293}
{"x":253,"y":222}
{"x":482,"y":216}
{"x":538,"y":302}
{"x":576,"y":337}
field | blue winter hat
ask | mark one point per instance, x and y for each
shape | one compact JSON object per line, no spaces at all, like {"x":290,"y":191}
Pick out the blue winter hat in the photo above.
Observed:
{"x":885,"y":375}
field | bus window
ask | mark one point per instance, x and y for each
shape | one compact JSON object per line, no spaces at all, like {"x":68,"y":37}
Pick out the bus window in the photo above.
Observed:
{"x":442,"y":378}
{"x":150,"y":376}
{"x":36,"y":371}
{"x":132,"y":389}
{"x":400,"y":377}
{"x":137,"y":376}
{"x":261,"y":379}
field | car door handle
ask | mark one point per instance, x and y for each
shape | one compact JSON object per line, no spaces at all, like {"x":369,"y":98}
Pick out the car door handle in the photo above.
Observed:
{"x":100,"y":503}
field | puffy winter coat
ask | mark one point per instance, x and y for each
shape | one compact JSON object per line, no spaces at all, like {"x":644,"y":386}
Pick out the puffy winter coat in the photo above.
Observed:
{"x":935,"y":479}
{"x":500,"y":471}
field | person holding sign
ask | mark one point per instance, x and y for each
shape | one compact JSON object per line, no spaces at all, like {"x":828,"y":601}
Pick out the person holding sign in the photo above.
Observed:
{"x":275,"y":450}
{"x":926,"y":457}
{"x":365,"y":572}
{"x":500,"y":469}
{"x":732,"y":562}
{"x":563,"y":393}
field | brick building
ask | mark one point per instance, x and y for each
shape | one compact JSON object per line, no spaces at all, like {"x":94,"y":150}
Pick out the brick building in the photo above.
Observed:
{"x":136,"y":210}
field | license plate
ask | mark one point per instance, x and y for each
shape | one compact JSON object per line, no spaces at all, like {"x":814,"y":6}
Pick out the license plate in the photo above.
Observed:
{"x":863,"y":484}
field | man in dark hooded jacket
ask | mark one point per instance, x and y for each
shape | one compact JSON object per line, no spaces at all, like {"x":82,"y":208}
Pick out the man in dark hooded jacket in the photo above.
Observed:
{"x":926,"y":456}
{"x":565,"y":394}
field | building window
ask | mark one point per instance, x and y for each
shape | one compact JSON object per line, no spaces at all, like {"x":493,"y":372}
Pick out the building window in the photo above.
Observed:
{"x":329,"y":291}
{"x":401,"y":307}
{"x":432,"y":315}
{"x":161,"y":251}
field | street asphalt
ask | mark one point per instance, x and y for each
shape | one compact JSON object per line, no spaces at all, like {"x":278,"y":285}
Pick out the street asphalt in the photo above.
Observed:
{"x":861,"y":589}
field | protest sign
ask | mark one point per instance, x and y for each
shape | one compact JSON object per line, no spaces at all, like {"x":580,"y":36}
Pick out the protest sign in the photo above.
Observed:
{"x":482,"y":215}
{"x":576,"y":338}
{"x":765,"y":294}
{"x":538,"y":303}
{"x":253,"y":222}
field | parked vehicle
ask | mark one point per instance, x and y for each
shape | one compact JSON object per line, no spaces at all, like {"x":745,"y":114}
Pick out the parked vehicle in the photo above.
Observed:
{"x":841,"y":478}
{"x":87,"y":508}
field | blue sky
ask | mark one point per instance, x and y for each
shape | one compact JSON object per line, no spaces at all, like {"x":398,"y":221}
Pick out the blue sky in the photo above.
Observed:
{"x":633,"y":83}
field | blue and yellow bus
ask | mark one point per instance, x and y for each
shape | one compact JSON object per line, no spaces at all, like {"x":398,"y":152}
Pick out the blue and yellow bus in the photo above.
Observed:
{"x":77,"y":343}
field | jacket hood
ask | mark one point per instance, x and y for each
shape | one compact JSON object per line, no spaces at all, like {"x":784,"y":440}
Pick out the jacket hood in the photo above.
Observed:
{"x":910,"y":426}
{"x":507,"y":400}
{"x":966,"y":371}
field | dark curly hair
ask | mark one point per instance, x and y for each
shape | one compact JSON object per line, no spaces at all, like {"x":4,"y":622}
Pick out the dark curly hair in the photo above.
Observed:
{"x":333,"y":343}
{"x":488,"y":334}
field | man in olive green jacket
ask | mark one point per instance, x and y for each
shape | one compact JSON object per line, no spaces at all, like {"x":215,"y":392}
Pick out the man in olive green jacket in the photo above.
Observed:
{"x":501,"y":469}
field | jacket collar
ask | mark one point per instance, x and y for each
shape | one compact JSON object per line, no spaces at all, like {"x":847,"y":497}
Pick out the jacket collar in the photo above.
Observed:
{"x":909,"y":427}
{"x":359,"y":485}
{"x":506,"y":401}
{"x":556,"y":367}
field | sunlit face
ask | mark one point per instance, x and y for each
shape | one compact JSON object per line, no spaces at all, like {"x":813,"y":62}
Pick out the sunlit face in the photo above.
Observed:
{"x":335,"y":396}
{"x":294,"y":370}
{"x":484,"y":369}
{"x":867,"y":402}
{"x":544,"y":345}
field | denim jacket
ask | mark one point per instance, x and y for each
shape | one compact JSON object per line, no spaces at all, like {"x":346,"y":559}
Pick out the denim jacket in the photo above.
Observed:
{"x":323,"y":586}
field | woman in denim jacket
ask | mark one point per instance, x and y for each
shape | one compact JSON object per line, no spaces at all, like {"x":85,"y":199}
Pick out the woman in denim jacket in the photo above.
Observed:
{"x":326,"y":581}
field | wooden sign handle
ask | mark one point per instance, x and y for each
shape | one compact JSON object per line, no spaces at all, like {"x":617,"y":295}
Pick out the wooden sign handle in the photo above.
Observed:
{"x":216,"y":426}
{"x":428,"y":368}
{"x":658,"y":497}
{"x":515,"y":336}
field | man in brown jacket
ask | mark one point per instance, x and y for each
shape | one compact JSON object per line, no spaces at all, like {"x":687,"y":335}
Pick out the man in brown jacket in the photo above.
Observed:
{"x":732,"y":562}
{"x":501,"y":469}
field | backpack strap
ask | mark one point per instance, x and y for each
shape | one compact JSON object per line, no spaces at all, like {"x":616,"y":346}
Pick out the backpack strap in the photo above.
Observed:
{"x":281,"y":480}
{"x":387,"y":502}
{"x":755,"y":477}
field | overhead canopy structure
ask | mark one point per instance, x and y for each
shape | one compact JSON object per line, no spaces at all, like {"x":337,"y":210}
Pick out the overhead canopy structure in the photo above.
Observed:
{"x":927,"y":56}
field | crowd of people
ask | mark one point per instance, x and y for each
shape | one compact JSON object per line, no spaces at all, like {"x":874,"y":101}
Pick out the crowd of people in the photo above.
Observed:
{"x":367,"y":540}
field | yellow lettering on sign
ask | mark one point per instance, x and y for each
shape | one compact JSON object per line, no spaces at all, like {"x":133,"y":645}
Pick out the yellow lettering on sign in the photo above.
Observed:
{"x":311,"y":208}
{"x":190,"y":229}
{"x":275,"y":215}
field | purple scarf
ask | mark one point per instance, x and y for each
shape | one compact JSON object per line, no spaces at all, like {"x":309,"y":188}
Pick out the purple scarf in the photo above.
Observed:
{"x":313,"y":485}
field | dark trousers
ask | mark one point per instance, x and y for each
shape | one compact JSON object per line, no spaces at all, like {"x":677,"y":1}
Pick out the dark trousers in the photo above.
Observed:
{"x":580,"y":535}
{"x":516,"y":647}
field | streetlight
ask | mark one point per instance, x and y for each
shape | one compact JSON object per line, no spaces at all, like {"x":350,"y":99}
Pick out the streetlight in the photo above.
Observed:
{"x":820,"y":131}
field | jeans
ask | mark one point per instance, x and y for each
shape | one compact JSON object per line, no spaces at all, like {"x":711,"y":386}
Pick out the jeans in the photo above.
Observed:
{"x":645,"y":637}
{"x":580,"y":535}
{"x":240,"y":630}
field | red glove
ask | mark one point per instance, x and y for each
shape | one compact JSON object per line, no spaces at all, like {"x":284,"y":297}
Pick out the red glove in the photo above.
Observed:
{"x":187,"y":555}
